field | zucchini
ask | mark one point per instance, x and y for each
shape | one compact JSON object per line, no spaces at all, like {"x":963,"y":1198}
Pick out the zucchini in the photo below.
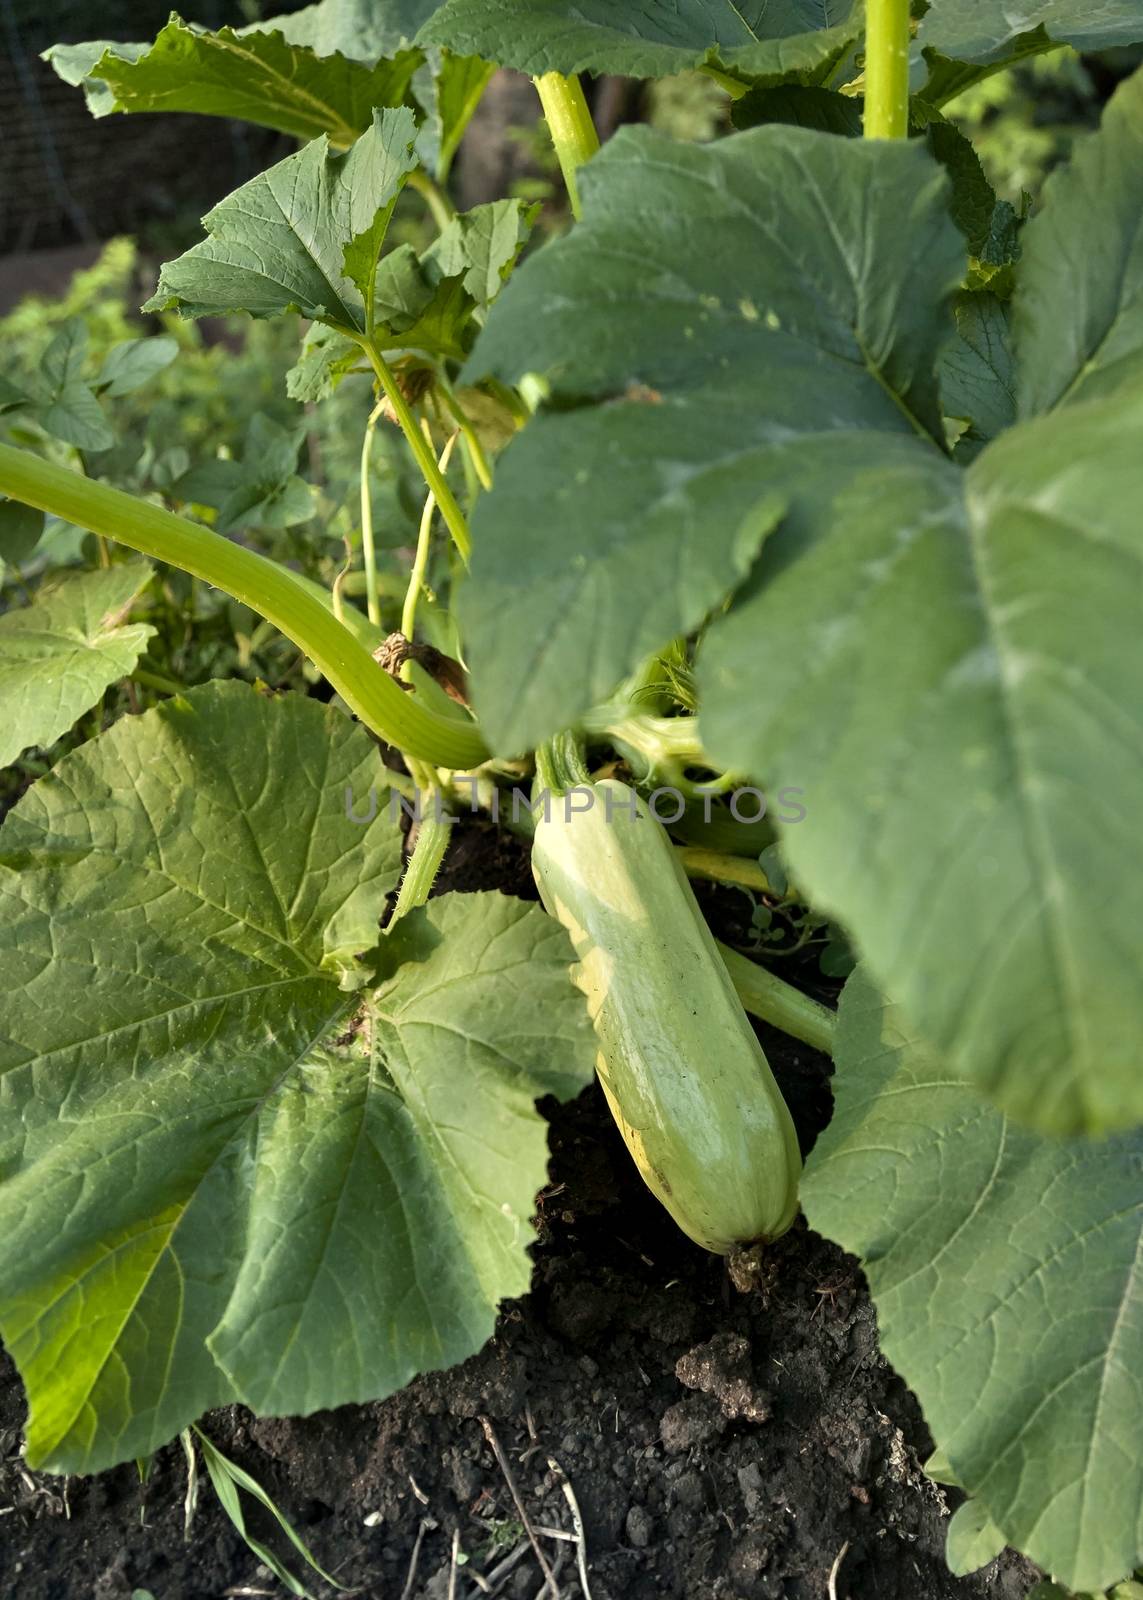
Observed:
{"x":678,"y":1060}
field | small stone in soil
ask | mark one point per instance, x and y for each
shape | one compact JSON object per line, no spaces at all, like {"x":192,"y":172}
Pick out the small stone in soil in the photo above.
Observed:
{"x":750,"y":1483}
{"x":640,"y":1526}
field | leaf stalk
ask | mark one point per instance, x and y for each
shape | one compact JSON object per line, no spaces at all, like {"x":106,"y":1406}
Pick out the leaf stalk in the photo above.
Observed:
{"x":368,"y":546}
{"x":440,"y":206}
{"x":421,"y":559}
{"x":715,"y":866}
{"x":433,"y":835}
{"x":426,"y":460}
{"x":779,"y":1003}
{"x":394,"y":715}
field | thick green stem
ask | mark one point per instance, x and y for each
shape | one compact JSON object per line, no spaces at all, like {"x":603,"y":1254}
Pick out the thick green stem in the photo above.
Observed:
{"x":887,"y":69}
{"x":573,"y":131}
{"x":426,"y":460}
{"x":778,"y":1003}
{"x":368,"y":548}
{"x":267,"y":588}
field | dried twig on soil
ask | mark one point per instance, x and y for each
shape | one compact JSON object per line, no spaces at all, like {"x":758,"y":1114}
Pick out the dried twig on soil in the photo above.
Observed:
{"x":540,"y":1593}
{"x":190,"y":1502}
{"x":427,"y":1524}
{"x":835,"y":1570}
{"x":577,"y":1524}
{"x":502,"y":1463}
{"x":491,"y":1581}
{"x":454,"y":1562}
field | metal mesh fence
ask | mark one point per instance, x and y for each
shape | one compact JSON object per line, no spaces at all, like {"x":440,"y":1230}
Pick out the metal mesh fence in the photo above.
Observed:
{"x":67,"y":178}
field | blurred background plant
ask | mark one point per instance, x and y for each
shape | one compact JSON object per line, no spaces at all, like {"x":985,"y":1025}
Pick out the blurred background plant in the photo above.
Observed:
{"x":211,"y":431}
{"x":1023,"y":122}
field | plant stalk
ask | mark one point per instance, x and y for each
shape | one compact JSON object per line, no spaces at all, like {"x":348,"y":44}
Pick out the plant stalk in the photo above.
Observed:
{"x":368,"y":548}
{"x":732,"y":86}
{"x":421,"y":559}
{"x":433,"y":834}
{"x":156,"y":681}
{"x":426,"y":460}
{"x":778,"y":1003}
{"x":887,"y":35}
{"x":573,"y":131}
{"x":468,"y":432}
{"x":439,"y":204}
{"x":392,"y":714}
{"x":560,"y":766}
{"x":711,"y":866}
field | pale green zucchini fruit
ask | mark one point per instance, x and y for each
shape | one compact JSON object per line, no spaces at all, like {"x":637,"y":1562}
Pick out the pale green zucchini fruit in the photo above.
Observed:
{"x":679,"y":1062}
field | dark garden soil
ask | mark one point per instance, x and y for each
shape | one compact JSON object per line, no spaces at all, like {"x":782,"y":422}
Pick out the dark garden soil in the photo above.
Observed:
{"x":722,"y":1445}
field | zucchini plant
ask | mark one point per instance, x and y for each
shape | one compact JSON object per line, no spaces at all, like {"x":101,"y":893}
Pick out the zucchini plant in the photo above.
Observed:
{"x":797,"y":464}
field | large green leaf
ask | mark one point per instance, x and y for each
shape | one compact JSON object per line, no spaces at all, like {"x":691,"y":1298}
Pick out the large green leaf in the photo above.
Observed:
{"x":363,"y":30}
{"x":169,"y":895}
{"x":1007,"y":1271}
{"x":448,"y":88}
{"x":647,"y":38}
{"x":980,"y":723}
{"x":74,"y":63}
{"x":989,"y":225}
{"x":978,"y":371}
{"x":58,"y":654}
{"x":303,"y":236}
{"x":419,"y":1152}
{"x":992,"y":30}
{"x":226,"y":1175}
{"x":1079,"y":307}
{"x":423,"y":304}
{"x":255,"y":75}
{"x":480,"y":248}
{"x":948,"y":667}
{"x":789,"y":331}
{"x":953,"y":675}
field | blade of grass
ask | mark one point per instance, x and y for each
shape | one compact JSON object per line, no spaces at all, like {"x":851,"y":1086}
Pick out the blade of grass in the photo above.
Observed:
{"x":227,"y":1478}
